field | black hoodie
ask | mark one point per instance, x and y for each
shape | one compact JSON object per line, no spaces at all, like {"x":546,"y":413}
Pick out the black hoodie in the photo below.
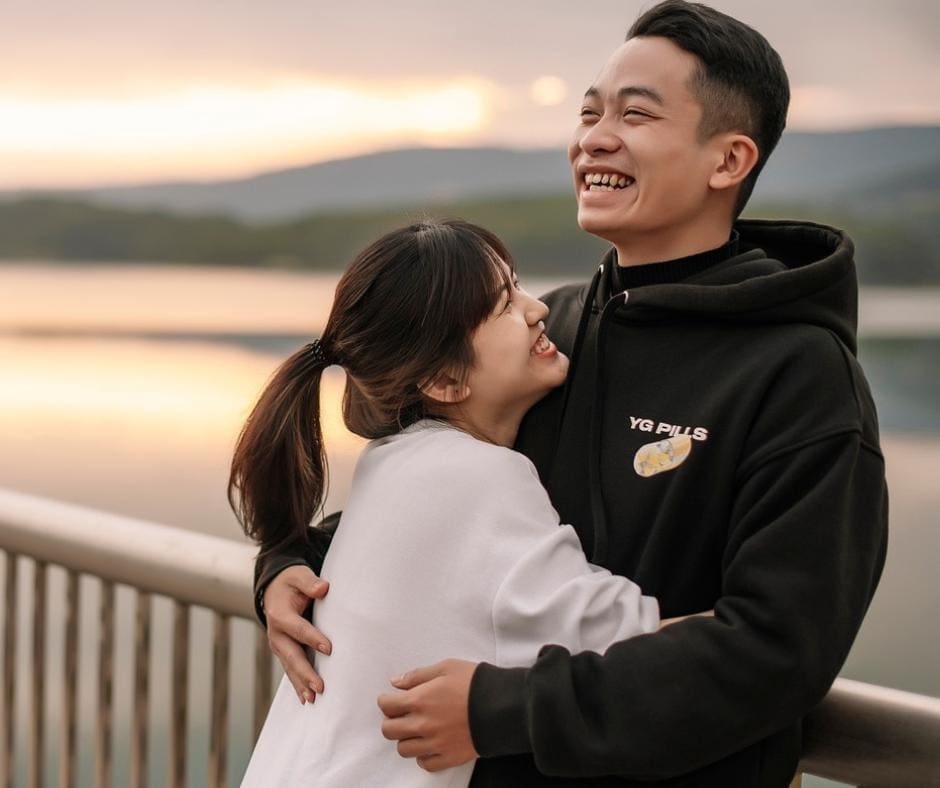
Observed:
{"x":716,"y":442}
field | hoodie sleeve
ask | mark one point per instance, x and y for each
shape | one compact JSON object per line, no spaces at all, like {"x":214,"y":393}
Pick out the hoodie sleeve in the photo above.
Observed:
{"x":806,"y":545}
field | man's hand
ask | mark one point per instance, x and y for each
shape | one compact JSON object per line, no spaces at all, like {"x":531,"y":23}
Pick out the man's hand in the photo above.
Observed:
{"x":285,"y":599}
{"x":430,"y":720}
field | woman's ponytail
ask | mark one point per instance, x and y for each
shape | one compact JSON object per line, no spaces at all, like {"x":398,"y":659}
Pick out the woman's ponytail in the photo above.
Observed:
{"x":278,"y":477}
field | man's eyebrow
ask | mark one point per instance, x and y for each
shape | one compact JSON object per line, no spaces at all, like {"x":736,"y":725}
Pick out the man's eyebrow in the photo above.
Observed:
{"x":629,"y":91}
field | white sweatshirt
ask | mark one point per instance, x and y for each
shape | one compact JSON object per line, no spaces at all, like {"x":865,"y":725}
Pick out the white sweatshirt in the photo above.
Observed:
{"x":448,"y":547}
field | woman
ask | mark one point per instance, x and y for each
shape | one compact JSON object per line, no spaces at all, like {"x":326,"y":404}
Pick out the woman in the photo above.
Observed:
{"x":449,"y":543}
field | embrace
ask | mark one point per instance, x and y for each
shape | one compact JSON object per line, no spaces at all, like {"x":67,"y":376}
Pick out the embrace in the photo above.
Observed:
{"x":624,"y":534}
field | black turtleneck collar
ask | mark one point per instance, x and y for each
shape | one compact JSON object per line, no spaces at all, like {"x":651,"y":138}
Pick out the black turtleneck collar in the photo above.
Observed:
{"x":671,"y":271}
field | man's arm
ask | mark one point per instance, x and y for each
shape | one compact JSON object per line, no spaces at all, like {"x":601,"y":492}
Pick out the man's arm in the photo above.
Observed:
{"x":269,"y":566}
{"x":806,"y":547}
{"x":285,"y":585}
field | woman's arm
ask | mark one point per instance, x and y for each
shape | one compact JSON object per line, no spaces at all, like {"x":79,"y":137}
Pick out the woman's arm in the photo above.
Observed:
{"x":553,"y":595}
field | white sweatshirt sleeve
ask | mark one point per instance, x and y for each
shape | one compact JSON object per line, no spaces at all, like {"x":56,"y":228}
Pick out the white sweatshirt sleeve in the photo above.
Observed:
{"x":548,"y":592}
{"x":553,"y":595}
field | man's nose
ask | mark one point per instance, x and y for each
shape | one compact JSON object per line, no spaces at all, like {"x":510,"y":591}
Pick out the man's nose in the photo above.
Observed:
{"x":600,"y":138}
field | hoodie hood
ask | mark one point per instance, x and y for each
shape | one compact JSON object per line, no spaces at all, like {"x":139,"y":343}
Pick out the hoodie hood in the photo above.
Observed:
{"x":785,"y":272}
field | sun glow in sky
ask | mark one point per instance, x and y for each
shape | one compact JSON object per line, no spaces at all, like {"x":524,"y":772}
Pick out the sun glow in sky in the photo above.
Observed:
{"x":106,"y":92}
{"x":201,"y":131}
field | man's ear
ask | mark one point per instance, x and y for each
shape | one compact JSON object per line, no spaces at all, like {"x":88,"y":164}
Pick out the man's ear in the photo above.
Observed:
{"x":445,"y":389}
{"x":738,"y":155}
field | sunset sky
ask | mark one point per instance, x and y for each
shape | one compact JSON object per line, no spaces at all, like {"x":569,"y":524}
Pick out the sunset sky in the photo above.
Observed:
{"x":108,"y":92}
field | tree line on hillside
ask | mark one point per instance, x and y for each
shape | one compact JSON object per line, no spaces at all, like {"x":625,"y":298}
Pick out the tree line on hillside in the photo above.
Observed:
{"x":893,"y":247}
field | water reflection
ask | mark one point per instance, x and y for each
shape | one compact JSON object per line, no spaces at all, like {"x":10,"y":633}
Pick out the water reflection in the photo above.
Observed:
{"x":139,"y":427}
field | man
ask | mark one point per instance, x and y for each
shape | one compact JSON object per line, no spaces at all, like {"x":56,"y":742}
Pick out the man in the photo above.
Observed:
{"x":716,"y":442}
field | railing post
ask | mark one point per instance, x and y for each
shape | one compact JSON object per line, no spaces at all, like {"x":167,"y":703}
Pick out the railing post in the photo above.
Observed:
{"x":105,"y":687}
{"x":218,"y":729}
{"x":70,"y":680}
{"x":9,"y":672}
{"x":262,"y":699}
{"x":36,"y":727}
{"x":176,"y":774}
{"x":141,"y":691}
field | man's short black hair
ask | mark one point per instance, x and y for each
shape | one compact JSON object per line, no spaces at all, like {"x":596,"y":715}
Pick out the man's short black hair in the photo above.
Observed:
{"x":740,"y":83}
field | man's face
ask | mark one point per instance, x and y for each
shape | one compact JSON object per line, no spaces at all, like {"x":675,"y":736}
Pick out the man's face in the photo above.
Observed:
{"x":639,"y":125}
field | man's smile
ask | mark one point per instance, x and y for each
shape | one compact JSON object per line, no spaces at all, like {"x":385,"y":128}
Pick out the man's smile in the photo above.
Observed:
{"x":606,"y":181}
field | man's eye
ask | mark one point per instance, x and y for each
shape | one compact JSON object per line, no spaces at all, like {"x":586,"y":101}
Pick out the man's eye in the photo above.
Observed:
{"x":587,"y":112}
{"x":636,"y":112}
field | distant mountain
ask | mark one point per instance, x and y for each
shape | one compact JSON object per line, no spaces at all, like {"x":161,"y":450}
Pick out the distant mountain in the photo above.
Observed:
{"x":806,"y":167}
{"x":823,"y":167}
{"x":391,"y":178}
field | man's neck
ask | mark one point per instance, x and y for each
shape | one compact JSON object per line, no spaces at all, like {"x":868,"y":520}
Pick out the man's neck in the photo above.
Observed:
{"x":660,"y":247}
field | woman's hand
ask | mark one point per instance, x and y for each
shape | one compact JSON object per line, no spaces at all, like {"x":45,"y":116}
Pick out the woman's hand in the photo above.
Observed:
{"x":285,"y":599}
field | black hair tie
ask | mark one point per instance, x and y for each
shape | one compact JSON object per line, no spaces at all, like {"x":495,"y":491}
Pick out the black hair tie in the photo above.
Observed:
{"x":317,"y":353}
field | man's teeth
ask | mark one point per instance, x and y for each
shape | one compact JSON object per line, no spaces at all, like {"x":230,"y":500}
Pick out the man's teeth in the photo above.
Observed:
{"x":606,"y":182}
{"x":541,"y":344}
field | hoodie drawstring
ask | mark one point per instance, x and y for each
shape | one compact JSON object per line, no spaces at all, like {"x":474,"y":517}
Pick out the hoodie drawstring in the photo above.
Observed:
{"x":578,"y":343}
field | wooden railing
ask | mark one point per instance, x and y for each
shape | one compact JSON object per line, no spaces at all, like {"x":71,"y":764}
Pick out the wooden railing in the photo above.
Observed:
{"x":188,"y":568}
{"x":861,"y":734}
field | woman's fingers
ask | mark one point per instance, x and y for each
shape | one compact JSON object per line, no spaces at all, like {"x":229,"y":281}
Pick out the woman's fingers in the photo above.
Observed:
{"x":300,"y":672}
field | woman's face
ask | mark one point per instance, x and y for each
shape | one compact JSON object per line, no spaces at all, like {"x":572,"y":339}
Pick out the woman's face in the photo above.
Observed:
{"x":516,"y":364}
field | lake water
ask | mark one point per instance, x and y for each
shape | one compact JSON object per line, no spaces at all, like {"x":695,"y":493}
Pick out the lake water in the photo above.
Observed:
{"x":123,"y":388}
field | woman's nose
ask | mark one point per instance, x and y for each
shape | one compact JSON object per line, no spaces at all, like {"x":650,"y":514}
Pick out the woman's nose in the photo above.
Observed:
{"x":538,"y":312}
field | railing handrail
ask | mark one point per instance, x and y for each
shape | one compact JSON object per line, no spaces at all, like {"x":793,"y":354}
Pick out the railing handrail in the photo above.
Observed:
{"x":195,"y":568}
{"x":861,"y":733}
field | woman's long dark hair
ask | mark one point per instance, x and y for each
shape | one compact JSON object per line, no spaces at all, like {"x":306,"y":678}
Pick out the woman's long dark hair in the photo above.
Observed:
{"x":403,"y":314}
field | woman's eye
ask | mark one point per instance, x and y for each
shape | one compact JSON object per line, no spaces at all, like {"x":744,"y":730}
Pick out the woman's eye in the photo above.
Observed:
{"x":509,"y":299}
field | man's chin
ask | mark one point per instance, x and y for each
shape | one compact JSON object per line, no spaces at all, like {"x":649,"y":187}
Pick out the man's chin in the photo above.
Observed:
{"x":604,"y":227}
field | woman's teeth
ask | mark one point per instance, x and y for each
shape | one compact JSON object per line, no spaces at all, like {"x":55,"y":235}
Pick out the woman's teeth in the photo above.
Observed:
{"x":606,"y":182}
{"x":541,"y":344}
